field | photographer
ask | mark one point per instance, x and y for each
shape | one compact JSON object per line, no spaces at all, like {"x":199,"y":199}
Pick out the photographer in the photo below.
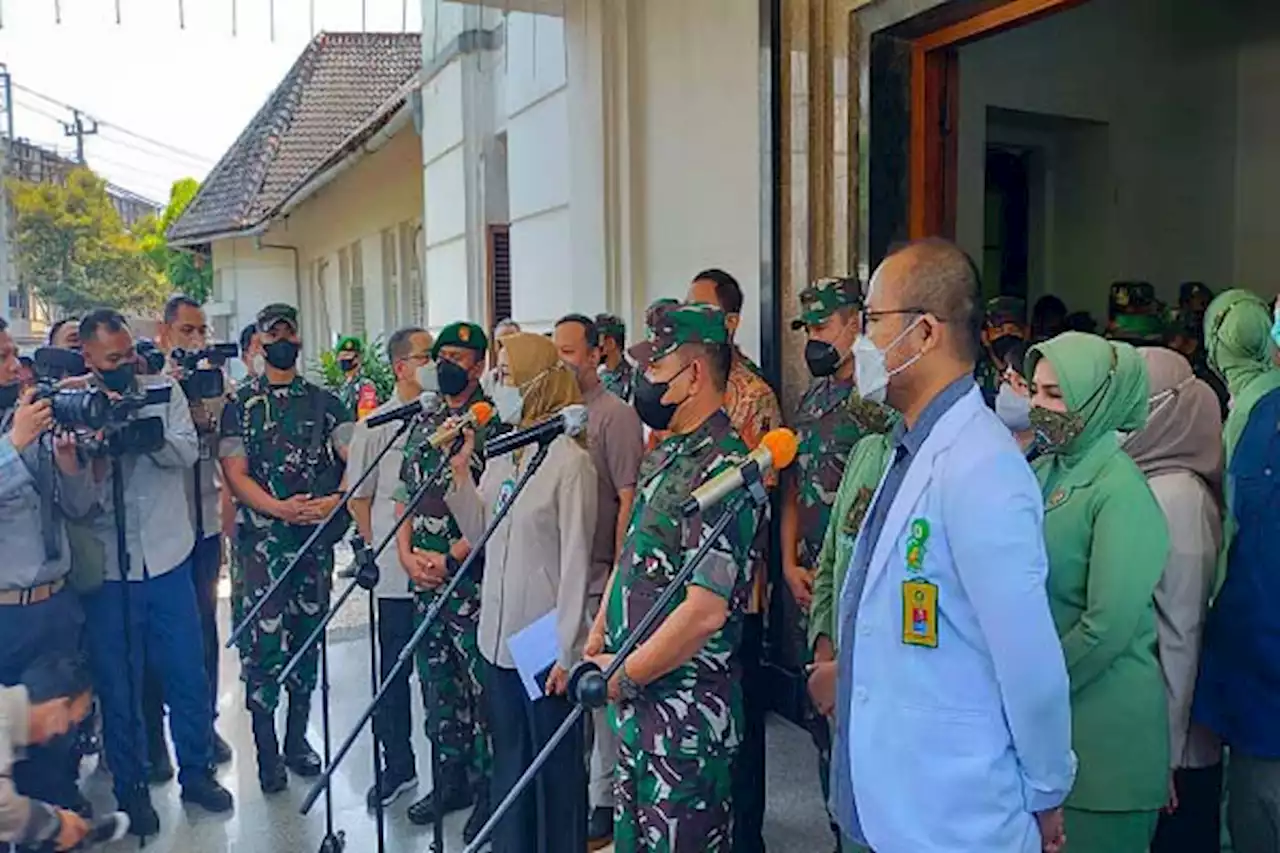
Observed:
{"x":53,"y":698}
{"x":151,"y":612}
{"x":185,"y":330}
{"x":41,"y":483}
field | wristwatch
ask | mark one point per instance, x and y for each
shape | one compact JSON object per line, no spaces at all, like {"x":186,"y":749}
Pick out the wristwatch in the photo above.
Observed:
{"x":627,"y":687}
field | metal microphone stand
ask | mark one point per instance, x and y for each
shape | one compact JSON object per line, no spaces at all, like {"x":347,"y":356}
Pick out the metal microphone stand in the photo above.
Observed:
{"x":406,"y":654}
{"x":589,"y":685}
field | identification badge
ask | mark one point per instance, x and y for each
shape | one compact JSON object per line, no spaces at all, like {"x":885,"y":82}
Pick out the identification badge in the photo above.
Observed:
{"x":505,"y":492}
{"x":920,"y":613}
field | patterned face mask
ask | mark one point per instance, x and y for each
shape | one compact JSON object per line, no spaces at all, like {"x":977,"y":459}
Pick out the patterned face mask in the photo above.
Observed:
{"x":1055,"y":430}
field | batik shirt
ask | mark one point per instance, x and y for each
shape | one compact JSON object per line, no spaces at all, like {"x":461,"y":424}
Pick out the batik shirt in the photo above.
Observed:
{"x":695,"y":709}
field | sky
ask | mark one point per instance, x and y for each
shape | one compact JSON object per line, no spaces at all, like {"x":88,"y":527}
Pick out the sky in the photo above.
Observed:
{"x":170,"y":96}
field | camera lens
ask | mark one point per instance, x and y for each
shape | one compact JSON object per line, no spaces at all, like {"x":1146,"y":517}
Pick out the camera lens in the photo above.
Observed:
{"x":80,"y":407}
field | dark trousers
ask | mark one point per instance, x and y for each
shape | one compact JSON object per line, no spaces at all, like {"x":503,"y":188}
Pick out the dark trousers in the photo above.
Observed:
{"x":393,"y":722}
{"x":1196,"y":827}
{"x":206,"y":561}
{"x":158,"y":615}
{"x":551,"y":815}
{"x":748,"y":767}
{"x":49,"y":772}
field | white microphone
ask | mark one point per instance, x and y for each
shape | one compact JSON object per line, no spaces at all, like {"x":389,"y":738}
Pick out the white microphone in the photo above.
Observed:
{"x":777,"y":450}
{"x":477,"y":416}
{"x":570,"y":421}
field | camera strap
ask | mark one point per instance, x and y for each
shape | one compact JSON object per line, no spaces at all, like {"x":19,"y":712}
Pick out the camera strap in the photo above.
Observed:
{"x":46,"y":486}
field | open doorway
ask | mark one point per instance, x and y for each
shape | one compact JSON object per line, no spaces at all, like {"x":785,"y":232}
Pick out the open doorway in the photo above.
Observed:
{"x":1006,"y":245}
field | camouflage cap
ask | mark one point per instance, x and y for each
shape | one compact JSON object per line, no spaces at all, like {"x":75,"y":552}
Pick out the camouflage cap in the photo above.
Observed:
{"x":1006,"y":311}
{"x":350,"y":343}
{"x":275,"y":313}
{"x":690,"y":323}
{"x":611,"y":325}
{"x":825,"y":297}
{"x":464,"y":335}
{"x":1133,"y":297}
{"x":642,"y":352}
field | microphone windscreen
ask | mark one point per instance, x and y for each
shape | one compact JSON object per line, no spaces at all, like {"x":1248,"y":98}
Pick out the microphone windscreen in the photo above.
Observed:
{"x":782,"y":446}
{"x":482,"y":412}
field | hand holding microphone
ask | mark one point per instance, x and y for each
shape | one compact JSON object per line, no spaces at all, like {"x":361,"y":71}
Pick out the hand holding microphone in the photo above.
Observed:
{"x":479,"y":415}
{"x":777,"y":450}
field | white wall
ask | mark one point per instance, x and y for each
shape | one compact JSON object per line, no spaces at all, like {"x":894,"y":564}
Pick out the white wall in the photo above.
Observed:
{"x":251,"y":278}
{"x":1160,"y":76}
{"x":444,"y":193}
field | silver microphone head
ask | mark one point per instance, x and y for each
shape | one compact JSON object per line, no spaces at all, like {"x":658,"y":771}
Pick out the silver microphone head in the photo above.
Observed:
{"x":430,"y":401}
{"x":575,"y":420}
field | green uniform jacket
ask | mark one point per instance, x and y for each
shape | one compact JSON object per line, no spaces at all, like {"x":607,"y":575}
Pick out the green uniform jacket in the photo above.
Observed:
{"x":861,"y":478}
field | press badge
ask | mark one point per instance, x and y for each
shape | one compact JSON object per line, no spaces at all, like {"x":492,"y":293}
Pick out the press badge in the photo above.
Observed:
{"x":920,"y":613}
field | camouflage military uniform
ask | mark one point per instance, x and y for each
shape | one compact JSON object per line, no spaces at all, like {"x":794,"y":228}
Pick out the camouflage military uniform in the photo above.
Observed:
{"x":620,"y":381}
{"x":677,"y":741}
{"x":349,"y":394}
{"x":273,"y":427}
{"x":449,"y":658}
{"x":1005,"y":316}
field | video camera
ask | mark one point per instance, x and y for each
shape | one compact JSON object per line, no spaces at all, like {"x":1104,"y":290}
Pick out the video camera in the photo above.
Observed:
{"x":151,"y":356}
{"x":204,"y":383}
{"x":125,"y":432}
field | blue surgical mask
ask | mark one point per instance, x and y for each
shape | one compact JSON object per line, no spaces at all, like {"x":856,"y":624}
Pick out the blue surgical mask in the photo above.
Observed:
{"x":1013,"y":409}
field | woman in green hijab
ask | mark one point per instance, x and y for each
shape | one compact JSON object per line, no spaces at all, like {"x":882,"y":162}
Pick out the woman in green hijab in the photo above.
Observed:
{"x":1107,"y":542}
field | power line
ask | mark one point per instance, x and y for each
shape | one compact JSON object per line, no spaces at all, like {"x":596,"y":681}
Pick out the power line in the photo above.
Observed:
{"x":122,"y":143}
{"x":121,"y":129}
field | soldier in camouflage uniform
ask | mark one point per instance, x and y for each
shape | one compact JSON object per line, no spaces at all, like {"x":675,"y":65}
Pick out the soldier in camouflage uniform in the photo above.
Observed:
{"x":431,"y":546}
{"x":349,"y":353}
{"x":830,"y":419}
{"x":1005,"y":323}
{"x":282,"y":440}
{"x":679,"y":719}
{"x":616,"y":372}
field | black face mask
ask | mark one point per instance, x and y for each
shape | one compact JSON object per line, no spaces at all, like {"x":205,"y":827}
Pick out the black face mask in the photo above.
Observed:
{"x":822,"y":358}
{"x":647,"y":398}
{"x":348,"y":364}
{"x":119,"y":379}
{"x":281,"y":355}
{"x":453,"y":378}
{"x":9,"y":395}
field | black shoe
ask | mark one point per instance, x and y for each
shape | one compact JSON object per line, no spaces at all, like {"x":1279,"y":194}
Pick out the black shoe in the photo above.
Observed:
{"x":143,"y":820}
{"x":221,"y":750}
{"x":272,"y":775}
{"x":83,"y":807}
{"x":206,"y":793}
{"x":599,"y":828}
{"x":454,"y":796}
{"x":298,"y":754}
{"x":161,"y":772}
{"x":394,"y":783}
{"x":479,"y":815}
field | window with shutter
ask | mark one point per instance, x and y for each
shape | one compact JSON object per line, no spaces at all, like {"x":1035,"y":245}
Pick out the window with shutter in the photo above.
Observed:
{"x":414,"y":288}
{"x":391,"y":280}
{"x":499,"y":274}
{"x":356,"y":323}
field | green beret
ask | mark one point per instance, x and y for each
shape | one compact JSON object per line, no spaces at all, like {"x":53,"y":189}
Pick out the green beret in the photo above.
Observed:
{"x":1006,"y":310}
{"x":350,"y":344}
{"x":672,"y":326}
{"x":276,"y":312}
{"x":464,"y":335}
{"x":824,"y":297}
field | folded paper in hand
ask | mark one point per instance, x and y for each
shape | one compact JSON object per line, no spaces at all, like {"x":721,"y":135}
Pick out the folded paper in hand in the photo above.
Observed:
{"x":534,"y":649}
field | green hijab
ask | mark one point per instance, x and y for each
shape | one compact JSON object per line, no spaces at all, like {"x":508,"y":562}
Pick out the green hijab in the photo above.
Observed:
{"x":1237,"y":335}
{"x":1105,"y":383}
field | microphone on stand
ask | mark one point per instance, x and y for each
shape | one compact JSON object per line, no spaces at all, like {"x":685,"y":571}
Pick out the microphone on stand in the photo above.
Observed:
{"x":426,"y":402}
{"x":571,"y":421}
{"x":777,"y":450}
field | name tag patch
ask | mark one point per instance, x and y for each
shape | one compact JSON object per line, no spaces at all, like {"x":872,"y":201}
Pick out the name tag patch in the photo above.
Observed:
{"x":920,"y":613}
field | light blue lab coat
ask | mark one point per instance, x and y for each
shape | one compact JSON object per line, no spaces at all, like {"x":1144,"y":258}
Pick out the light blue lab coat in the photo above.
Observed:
{"x":953,"y":748}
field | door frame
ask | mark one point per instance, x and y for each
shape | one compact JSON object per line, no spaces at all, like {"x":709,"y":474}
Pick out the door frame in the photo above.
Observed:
{"x":934,"y":108}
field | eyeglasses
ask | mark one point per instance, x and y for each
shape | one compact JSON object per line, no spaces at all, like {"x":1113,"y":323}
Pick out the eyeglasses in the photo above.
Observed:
{"x":867,"y":315}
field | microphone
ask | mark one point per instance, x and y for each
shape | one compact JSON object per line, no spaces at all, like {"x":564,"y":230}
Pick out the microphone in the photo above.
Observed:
{"x":427,"y":401}
{"x":777,"y":450}
{"x":571,"y":421}
{"x":477,"y":416}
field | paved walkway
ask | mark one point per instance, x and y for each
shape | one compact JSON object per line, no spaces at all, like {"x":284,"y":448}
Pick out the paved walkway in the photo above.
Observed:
{"x":795,"y":822}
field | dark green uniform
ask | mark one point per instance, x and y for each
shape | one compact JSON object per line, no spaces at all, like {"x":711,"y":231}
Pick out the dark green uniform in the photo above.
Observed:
{"x":677,"y":741}
{"x":449,"y":658}
{"x":621,"y":381}
{"x":275,"y":428}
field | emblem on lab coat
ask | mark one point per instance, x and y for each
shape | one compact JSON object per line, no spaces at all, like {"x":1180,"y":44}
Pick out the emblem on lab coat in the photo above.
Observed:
{"x":920,"y":613}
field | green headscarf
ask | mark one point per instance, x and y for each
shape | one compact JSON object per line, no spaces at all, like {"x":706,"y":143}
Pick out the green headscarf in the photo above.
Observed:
{"x":1237,"y":335}
{"x":1105,"y":383}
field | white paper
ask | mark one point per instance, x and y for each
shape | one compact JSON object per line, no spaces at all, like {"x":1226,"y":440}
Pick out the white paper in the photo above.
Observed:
{"x":534,"y":649}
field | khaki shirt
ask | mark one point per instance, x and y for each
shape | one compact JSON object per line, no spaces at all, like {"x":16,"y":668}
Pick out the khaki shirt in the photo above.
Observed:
{"x":379,"y":489}
{"x":615,"y":441}
{"x":539,"y":557}
{"x":22,"y":821}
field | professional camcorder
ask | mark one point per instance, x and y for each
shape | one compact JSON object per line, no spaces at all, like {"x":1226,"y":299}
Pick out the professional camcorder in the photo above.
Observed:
{"x":204,"y":383}
{"x":73,"y":408}
{"x":125,"y":432}
{"x":150,"y":356}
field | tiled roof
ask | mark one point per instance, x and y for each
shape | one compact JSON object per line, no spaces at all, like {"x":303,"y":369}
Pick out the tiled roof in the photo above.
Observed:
{"x":341,"y":85}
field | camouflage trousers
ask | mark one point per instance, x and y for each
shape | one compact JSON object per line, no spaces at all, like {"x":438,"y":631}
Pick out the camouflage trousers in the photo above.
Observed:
{"x":284,"y":623}
{"x":450,"y":671}
{"x":670,"y":804}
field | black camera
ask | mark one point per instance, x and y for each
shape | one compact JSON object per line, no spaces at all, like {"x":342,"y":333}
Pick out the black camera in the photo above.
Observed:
{"x":150,"y":356}
{"x":73,"y":408}
{"x":125,"y":432}
{"x":204,"y":383}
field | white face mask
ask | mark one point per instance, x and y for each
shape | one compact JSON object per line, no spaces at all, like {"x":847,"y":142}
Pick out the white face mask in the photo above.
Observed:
{"x":509,"y":403}
{"x":1013,"y":409}
{"x":871,"y":376}
{"x":428,"y":378}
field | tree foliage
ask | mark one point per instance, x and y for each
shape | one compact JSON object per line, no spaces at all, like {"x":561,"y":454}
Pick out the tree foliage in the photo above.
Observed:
{"x":187,"y":272}
{"x":74,"y":252}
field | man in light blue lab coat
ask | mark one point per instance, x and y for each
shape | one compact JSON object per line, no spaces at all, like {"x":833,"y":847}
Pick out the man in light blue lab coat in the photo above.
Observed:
{"x":954,"y":729}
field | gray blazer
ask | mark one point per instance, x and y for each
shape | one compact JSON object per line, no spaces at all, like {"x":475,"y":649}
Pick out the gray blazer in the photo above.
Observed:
{"x":539,"y":557}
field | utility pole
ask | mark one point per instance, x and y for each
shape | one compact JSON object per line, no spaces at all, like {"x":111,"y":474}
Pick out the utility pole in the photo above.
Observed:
{"x":6,"y":155}
{"x":77,"y":128}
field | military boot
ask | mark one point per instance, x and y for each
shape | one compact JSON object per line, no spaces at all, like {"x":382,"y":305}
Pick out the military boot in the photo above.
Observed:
{"x":272,"y":775}
{"x":479,"y":815}
{"x":298,"y":754}
{"x":451,"y":793}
